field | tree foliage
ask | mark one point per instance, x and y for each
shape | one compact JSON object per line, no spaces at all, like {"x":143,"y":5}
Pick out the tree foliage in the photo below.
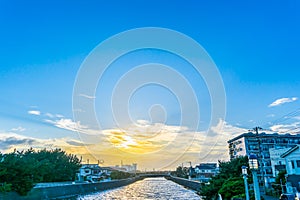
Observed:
{"x":120,"y":175}
{"x":231,"y":187}
{"x":181,"y":172}
{"x":23,"y":169}
{"x":228,"y":182}
{"x":280,"y":182}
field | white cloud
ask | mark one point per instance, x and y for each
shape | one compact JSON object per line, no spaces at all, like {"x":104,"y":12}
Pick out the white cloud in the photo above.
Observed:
{"x":18,"y":129}
{"x":143,"y":141}
{"x":283,"y":101}
{"x":49,"y":115}
{"x":10,"y":141}
{"x":87,"y":96}
{"x":69,"y":124}
{"x":34,"y":112}
{"x":142,"y":122}
{"x":223,"y":128}
{"x":285,"y":128}
{"x":59,"y":116}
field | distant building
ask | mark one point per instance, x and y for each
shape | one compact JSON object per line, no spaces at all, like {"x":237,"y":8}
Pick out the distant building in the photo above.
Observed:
{"x":126,"y":168}
{"x":130,"y":168}
{"x":260,"y":144}
{"x":205,"y":171}
{"x":93,"y":172}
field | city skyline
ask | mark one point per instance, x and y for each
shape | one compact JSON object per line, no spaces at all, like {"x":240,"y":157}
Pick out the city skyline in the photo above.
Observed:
{"x":254,"y":46}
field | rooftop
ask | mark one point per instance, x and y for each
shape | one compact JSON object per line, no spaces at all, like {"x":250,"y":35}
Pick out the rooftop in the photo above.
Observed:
{"x":290,"y":151}
{"x":263,"y":134}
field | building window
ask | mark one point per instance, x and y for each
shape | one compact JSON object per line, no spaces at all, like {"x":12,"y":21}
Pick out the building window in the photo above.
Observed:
{"x":293,"y":164}
{"x":298,"y":163}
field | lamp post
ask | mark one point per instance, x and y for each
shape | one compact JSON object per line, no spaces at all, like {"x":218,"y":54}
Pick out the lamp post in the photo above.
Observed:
{"x":244,"y":172}
{"x":253,"y":164}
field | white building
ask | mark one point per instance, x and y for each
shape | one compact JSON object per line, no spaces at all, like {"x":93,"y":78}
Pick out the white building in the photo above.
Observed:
{"x":277,"y":163}
{"x":260,"y":144}
{"x":93,"y":172}
{"x":292,"y":160}
{"x":126,"y":168}
{"x":287,"y":159}
{"x":205,"y":171}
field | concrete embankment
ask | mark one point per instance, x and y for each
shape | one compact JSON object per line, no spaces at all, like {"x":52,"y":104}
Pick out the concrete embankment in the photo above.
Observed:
{"x":194,"y":185}
{"x":68,"y":191}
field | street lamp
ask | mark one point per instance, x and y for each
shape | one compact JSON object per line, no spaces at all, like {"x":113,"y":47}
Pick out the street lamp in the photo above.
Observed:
{"x":244,"y":172}
{"x":253,"y":164}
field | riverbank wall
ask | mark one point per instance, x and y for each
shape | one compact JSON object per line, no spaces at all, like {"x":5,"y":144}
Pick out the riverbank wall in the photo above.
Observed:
{"x":68,"y":191}
{"x":194,"y":185}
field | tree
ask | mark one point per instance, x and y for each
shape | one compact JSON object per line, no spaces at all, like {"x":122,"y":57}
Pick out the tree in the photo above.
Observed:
{"x":279,"y":182}
{"x":229,"y":176}
{"x":231,"y":187}
{"x":182,"y":172}
{"x":24,"y":169}
{"x":120,"y":175}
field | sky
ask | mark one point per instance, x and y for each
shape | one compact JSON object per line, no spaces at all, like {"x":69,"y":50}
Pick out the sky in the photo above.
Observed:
{"x":150,"y":106}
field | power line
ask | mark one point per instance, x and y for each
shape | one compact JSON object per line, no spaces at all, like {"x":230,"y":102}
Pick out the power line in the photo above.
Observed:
{"x":289,"y":130}
{"x":284,"y":118}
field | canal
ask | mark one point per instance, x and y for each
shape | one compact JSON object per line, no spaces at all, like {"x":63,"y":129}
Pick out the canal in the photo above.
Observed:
{"x":149,"y":188}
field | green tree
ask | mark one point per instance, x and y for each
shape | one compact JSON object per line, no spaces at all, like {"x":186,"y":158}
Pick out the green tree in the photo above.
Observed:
{"x":120,"y":175}
{"x":182,"y":172}
{"x":230,"y":174}
{"x":19,"y":172}
{"x":23,"y":169}
{"x":279,"y":182}
{"x":231,"y":187}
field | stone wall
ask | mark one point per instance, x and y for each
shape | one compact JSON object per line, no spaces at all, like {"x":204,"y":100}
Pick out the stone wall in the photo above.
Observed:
{"x":67,"y":191}
{"x":194,"y":185}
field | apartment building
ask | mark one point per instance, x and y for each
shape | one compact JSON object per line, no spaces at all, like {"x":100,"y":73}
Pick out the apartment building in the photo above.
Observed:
{"x":260,"y":144}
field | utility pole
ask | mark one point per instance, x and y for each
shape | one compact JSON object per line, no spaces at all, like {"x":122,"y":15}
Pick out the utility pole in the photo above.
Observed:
{"x":190,"y":170}
{"x":261,"y":165}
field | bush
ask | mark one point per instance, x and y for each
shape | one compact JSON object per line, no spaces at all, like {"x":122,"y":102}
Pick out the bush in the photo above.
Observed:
{"x":120,"y":175}
{"x":5,"y":187}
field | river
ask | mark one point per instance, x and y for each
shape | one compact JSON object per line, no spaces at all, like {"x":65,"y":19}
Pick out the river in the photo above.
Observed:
{"x":149,"y":188}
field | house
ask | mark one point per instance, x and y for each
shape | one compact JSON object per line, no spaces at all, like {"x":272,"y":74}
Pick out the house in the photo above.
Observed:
{"x":292,"y":160}
{"x":205,"y":171}
{"x":93,"y":172}
{"x":277,"y":163}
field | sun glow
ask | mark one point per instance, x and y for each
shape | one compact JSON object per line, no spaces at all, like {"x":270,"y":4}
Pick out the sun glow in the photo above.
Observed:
{"x":142,"y":138}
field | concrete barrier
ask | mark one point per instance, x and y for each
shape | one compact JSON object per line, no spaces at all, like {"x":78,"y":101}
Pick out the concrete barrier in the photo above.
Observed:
{"x":194,"y":185}
{"x":67,"y":191}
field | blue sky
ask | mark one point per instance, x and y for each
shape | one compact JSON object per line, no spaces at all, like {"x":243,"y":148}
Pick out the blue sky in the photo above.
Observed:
{"x":254,"y":44}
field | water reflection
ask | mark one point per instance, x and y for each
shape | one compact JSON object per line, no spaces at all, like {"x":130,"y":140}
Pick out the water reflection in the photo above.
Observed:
{"x":149,"y":188}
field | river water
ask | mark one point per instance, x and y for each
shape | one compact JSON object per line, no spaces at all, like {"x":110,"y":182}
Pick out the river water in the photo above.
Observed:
{"x":149,"y":188}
